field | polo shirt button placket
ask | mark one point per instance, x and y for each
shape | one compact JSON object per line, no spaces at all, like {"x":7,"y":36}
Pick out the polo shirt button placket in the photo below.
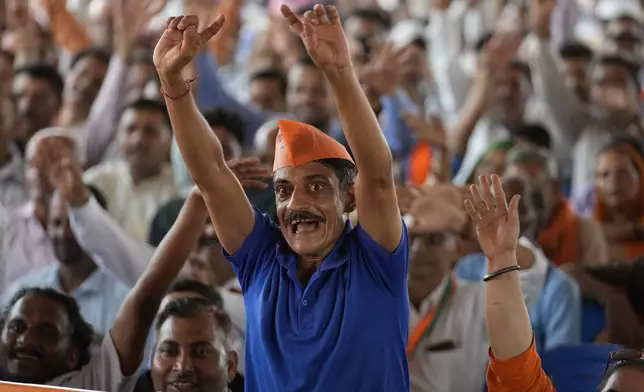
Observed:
{"x":305,"y":303}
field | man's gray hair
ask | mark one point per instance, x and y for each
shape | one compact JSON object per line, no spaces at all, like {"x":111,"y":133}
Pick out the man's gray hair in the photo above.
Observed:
{"x":55,"y":132}
{"x":530,"y":154}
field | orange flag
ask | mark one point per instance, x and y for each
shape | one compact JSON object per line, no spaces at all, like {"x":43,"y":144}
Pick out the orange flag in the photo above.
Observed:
{"x":298,"y":143}
{"x":14,"y":387}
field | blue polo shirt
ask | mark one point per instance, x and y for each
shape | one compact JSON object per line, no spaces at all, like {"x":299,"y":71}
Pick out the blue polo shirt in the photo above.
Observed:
{"x":345,"y":331}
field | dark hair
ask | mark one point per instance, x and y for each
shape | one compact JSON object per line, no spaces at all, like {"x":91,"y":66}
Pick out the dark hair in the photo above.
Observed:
{"x":637,"y":364}
{"x":575,"y":50}
{"x":523,"y":68}
{"x":343,"y":169}
{"x":150,"y":104}
{"x":98,"y":53}
{"x":98,"y":195}
{"x":621,"y":140}
{"x":8,"y":55}
{"x":621,"y":60}
{"x":46,"y":73}
{"x":82,"y":334}
{"x":306,"y":61}
{"x":372,"y":14}
{"x":211,"y":295}
{"x":482,"y":41}
{"x":271,"y":73}
{"x":221,"y":117}
{"x":192,"y":307}
{"x":535,"y":134}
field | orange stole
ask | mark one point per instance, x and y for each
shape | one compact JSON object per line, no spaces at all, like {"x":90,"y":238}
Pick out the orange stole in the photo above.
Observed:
{"x":15,"y":387}
{"x":561,"y":239}
{"x":425,"y":326}
{"x":420,"y":163}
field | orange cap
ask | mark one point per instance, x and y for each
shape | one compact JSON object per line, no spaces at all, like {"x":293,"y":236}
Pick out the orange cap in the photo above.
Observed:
{"x":298,"y":143}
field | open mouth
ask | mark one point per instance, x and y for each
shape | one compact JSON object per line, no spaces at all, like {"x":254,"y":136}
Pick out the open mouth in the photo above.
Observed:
{"x":303,"y":226}
{"x":183,"y":385}
{"x":26,"y":355}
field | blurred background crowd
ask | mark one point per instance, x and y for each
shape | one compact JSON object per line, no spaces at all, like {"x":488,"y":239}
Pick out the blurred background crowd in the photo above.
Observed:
{"x":545,"y":93}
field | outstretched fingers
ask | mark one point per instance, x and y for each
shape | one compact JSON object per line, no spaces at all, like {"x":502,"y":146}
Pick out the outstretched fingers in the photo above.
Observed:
{"x":320,"y":14}
{"x":471,"y":211}
{"x":499,"y":193}
{"x":292,"y":19}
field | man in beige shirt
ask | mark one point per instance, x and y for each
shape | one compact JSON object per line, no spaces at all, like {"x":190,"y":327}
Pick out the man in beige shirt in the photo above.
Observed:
{"x":136,"y":186}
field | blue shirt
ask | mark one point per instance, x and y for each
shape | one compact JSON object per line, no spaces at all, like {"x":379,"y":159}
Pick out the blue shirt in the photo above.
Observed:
{"x":555,"y":317}
{"x":345,"y":331}
{"x":99,"y":297}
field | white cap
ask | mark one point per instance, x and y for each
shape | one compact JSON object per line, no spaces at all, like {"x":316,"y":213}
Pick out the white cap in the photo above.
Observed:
{"x":611,"y":9}
{"x":406,"y":32}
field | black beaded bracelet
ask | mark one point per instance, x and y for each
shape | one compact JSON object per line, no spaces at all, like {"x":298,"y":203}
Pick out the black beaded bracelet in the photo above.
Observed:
{"x":501,"y":272}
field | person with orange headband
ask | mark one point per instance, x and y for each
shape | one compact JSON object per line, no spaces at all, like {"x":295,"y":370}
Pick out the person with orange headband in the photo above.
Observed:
{"x":619,"y":198}
{"x":326,"y":303}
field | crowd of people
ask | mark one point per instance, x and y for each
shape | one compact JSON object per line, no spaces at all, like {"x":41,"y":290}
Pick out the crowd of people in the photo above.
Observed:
{"x":357,"y":195}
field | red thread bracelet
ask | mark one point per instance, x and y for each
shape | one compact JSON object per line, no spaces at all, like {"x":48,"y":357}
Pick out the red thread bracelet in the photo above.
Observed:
{"x":188,"y":83}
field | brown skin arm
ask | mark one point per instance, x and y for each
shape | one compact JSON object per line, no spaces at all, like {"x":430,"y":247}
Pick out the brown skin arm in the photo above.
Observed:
{"x":375,"y":189}
{"x":229,"y":208}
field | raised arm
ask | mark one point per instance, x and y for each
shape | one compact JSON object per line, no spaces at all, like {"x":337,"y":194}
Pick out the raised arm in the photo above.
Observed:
{"x":326,"y":43}
{"x":515,"y":365}
{"x":130,"y":330}
{"x":231,"y":212}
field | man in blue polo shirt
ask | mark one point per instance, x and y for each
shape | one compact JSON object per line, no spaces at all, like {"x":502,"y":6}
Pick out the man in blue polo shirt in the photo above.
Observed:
{"x":327,"y":305}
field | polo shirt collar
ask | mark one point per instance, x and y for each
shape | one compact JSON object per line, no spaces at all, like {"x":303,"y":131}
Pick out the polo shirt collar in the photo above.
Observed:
{"x":337,"y":257}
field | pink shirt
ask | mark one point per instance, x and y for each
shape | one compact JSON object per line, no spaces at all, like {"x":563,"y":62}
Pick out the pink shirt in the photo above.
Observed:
{"x":25,"y":244}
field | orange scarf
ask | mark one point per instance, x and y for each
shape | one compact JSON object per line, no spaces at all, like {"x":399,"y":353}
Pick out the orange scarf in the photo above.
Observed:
{"x":560,"y":240}
{"x":420,"y":163}
{"x":426,"y":325}
{"x":633,"y":249}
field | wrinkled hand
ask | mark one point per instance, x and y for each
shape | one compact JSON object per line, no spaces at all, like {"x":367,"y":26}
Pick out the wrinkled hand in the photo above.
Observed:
{"x":131,"y":17}
{"x":66,"y":175}
{"x":323,"y":37}
{"x":500,"y":50}
{"x":438,"y":208}
{"x":381,"y":74}
{"x":250,"y":172}
{"x":181,"y":42}
{"x":406,"y":196}
{"x":497,"y":224}
{"x":430,"y":131}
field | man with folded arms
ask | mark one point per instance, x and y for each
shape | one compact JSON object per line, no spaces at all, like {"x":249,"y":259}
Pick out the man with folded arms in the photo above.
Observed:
{"x":327,"y":303}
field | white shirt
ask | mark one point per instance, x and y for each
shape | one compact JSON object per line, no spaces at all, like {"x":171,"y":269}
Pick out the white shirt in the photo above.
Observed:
{"x":126,"y":259}
{"x":133,"y":207}
{"x":462,"y":322}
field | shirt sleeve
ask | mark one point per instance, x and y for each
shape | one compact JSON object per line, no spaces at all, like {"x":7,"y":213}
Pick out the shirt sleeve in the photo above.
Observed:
{"x":102,"y":373}
{"x":388,"y":268}
{"x":519,"y":374}
{"x":110,"y":247}
{"x":260,"y":245}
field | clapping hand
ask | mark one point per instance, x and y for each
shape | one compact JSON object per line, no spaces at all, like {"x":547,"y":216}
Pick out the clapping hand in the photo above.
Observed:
{"x":250,"y":172}
{"x":323,"y":36}
{"x":497,"y":224}
{"x":180,"y":43}
{"x":66,"y":175}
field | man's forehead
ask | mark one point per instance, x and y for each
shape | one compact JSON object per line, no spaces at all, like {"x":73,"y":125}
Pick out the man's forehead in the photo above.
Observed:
{"x":302,"y":172}
{"x":38,"y":308}
{"x":201,"y":327}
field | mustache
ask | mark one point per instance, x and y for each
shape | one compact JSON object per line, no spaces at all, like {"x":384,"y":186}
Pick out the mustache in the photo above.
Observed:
{"x":27,"y":349}
{"x":302,"y":215}
{"x":182,"y":377}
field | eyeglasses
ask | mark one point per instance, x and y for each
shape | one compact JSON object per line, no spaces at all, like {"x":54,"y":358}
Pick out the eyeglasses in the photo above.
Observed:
{"x":623,"y":356}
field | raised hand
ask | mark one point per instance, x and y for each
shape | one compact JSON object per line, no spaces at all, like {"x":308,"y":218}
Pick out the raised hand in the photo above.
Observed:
{"x":430,"y":131}
{"x":437,"y":208}
{"x":381,"y":74}
{"x":67,"y":176}
{"x":323,"y":36}
{"x":250,"y":172}
{"x":181,"y":42}
{"x":131,"y":17}
{"x":497,"y":224}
